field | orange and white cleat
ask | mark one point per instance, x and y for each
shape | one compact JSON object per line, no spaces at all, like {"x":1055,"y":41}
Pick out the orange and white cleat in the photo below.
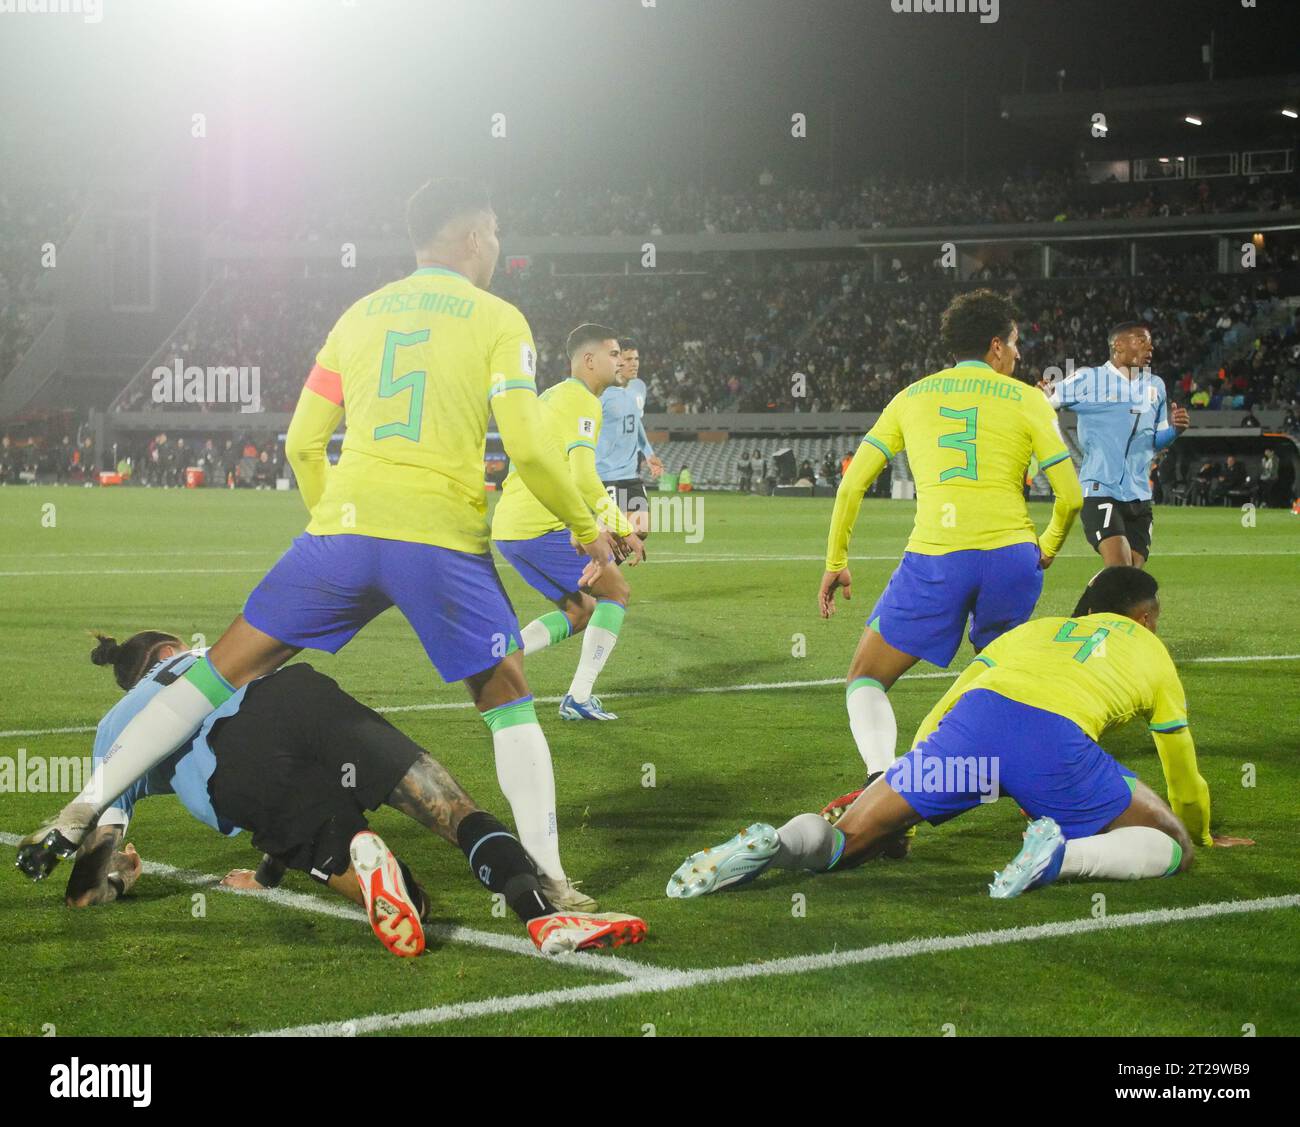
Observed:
{"x":584,"y":931}
{"x":393,"y":912}
{"x":835,"y":809}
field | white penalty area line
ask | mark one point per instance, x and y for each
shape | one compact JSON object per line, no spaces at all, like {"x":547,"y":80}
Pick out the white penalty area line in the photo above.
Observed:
{"x":340,"y":909}
{"x":751,"y":687}
{"x":664,"y":981}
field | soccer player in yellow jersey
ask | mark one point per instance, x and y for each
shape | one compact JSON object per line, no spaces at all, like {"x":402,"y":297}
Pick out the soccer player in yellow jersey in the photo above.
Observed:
{"x":400,"y":520}
{"x":537,"y":545}
{"x":969,"y":432}
{"x":1023,"y":721}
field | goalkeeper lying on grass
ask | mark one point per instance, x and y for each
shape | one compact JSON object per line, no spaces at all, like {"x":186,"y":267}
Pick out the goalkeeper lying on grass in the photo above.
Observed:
{"x":1023,"y":721}
{"x":296,"y":761}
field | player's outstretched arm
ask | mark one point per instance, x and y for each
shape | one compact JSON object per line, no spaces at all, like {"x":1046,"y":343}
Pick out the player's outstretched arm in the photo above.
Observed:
{"x":643,"y":444}
{"x":268,"y":874}
{"x":866,"y":466}
{"x":314,"y":421}
{"x":545,"y":474}
{"x":1067,"y":503}
{"x":1189,"y":794}
{"x":582,"y":468}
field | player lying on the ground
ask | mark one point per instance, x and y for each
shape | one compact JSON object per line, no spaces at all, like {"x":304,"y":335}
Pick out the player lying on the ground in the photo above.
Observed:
{"x":538,"y":546}
{"x":297,"y":762}
{"x":1023,"y":721}
{"x":974,"y":554}
{"x":624,"y":442}
{"x":1124,"y":421}
{"x":401,"y":520}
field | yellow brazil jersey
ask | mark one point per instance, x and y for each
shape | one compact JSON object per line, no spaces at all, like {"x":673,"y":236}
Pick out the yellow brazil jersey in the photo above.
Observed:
{"x":573,"y":417}
{"x":969,"y":433}
{"x":1099,"y":670}
{"x":414,"y":366}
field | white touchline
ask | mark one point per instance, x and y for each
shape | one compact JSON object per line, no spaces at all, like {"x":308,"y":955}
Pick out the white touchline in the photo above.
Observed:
{"x":754,"y":687}
{"x":663,"y":981}
{"x":303,"y":902}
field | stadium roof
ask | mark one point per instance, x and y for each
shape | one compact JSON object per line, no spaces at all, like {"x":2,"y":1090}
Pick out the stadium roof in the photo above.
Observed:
{"x":1241,"y":110}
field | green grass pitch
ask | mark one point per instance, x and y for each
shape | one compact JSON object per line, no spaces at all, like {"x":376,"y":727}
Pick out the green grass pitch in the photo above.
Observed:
{"x":737,"y":608}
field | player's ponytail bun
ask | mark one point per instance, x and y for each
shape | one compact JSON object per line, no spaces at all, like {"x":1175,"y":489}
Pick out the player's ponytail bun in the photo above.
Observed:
{"x":1116,"y":590}
{"x":107,"y":651}
{"x":133,"y":658}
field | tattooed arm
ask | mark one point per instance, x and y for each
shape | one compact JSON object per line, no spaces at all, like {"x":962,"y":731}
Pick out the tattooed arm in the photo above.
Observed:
{"x":102,"y":873}
{"x":432,"y":797}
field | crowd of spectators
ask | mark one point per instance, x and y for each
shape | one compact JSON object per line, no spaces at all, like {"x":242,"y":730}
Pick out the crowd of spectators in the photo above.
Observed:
{"x":1053,"y":196}
{"x":873,"y":340}
{"x":781,"y":336}
{"x":55,"y":449}
{"x":251,"y":461}
{"x":30,"y":217}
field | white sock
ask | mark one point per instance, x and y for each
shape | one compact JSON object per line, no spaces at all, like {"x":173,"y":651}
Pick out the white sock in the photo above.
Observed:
{"x":158,"y":729}
{"x":598,"y":642}
{"x":528,"y":782}
{"x":871,"y":720}
{"x":545,"y":631}
{"x":1129,"y":853}
{"x":808,"y":841}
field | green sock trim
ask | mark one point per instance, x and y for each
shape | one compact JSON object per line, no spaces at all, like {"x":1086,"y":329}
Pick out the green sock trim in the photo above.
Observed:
{"x":1178,"y":860}
{"x":203,"y":676}
{"x":510,"y":715}
{"x":608,"y":615}
{"x":557,"y":625}
{"x":858,"y":682}
{"x":838,"y":851}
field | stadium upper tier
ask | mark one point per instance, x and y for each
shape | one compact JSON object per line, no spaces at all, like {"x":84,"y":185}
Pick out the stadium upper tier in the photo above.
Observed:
{"x":570,"y":211}
{"x":811,"y":336}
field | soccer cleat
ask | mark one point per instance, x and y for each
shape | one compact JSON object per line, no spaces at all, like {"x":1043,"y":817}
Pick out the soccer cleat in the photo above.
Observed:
{"x":836,"y":808}
{"x":42,"y":849}
{"x":564,"y":894}
{"x":393,"y":913}
{"x":734,"y":862}
{"x":1038,"y":862}
{"x":896,"y":848}
{"x":589,"y":709}
{"x":582,"y":931}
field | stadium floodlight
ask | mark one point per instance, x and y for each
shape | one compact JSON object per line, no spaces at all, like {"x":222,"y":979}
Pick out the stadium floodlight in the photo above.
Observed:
{"x":1290,"y":113}
{"x":1164,"y":160}
{"x":1193,"y":120}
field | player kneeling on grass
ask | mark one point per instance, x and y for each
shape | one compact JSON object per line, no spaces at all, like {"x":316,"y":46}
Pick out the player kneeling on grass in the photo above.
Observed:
{"x":540,"y":547}
{"x":1023,"y":721}
{"x":296,"y":761}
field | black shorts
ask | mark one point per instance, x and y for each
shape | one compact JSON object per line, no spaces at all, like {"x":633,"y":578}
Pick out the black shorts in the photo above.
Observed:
{"x":628,"y":495}
{"x":299,"y":765}
{"x":1104,"y":517}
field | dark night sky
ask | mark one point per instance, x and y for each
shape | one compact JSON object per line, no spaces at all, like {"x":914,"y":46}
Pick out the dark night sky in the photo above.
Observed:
{"x":384,"y":91}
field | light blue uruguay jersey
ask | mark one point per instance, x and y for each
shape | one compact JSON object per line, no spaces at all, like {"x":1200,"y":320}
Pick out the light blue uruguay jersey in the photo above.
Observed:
{"x":622,"y":435}
{"x":1122,"y":423}
{"x":184,"y":773}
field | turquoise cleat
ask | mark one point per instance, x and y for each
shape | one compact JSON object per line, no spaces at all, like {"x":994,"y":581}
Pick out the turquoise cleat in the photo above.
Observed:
{"x":1038,"y":862}
{"x":735,"y":862}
